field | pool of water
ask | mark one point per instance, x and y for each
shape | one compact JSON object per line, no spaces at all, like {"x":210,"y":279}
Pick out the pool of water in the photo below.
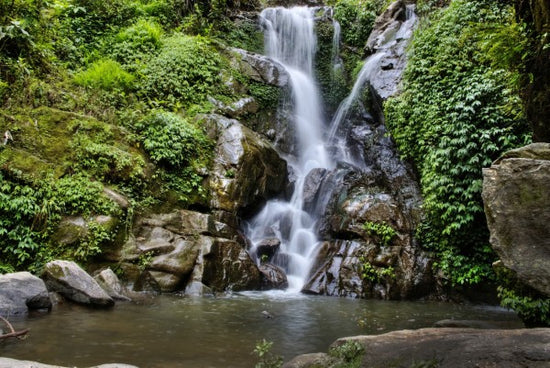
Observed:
{"x":174,"y":331}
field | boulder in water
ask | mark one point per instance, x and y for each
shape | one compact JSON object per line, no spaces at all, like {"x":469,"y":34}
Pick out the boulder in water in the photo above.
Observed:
{"x":273,"y":277}
{"x":21,"y":292}
{"x":516,"y":194}
{"x":71,"y":281}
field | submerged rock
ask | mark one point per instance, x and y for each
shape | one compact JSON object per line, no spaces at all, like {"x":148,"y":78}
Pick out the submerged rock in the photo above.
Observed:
{"x":21,"y":292}
{"x":71,"y":281}
{"x":516,"y":194}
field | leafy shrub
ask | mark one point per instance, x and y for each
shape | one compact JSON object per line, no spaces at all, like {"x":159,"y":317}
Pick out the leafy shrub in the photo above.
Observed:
{"x":356,"y":19}
{"x":185,"y":72}
{"x":134,"y":43}
{"x":105,"y":74}
{"x":265,"y":358}
{"x":172,"y":141}
{"x":382,"y":231}
{"x":350,"y":352}
{"x":458,"y":112}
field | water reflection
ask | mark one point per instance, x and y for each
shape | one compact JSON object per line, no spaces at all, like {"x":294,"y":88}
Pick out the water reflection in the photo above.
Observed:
{"x":171,"y":331}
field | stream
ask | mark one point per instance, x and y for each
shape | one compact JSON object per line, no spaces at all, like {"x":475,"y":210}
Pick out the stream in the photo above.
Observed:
{"x":175,"y":331}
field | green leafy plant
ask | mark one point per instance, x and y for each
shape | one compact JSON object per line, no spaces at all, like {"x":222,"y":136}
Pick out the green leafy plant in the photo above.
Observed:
{"x":383,"y":232}
{"x":172,"y":141}
{"x":458,"y":112}
{"x":105,"y":74}
{"x":185,"y":71}
{"x":350,"y":353}
{"x":265,"y":358}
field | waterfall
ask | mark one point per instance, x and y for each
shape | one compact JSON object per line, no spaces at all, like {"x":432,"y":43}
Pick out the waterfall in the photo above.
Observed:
{"x":290,"y":39}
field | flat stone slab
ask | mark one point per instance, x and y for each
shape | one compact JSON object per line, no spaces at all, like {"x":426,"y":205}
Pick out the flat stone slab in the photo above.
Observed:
{"x":446,"y":348}
{"x":13,"y":363}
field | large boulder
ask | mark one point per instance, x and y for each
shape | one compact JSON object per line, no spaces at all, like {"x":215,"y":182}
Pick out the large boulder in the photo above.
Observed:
{"x":247,"y":169}
{"x":444,"y":348}
{"x":259,"y":67}
{"x":20,"y":292}
{"x":516,"y":194}
{"x":71,"y":281}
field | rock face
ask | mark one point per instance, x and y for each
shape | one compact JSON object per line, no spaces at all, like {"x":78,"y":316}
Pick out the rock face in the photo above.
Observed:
{"x":355,"y":261}
{"x":390,"y":35}
{"x":516,"y":194}
{"x":446,"y":348}
{"x":247,"y":170}
{"x":260,"y":68}
{"x":20,"y":292}
{"x":191,"y":251}
{"x":71,"y":281}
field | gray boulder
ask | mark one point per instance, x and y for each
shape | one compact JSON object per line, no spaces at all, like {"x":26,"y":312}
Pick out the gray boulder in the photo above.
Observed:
{"x":22,"y":291}
{"x":71,"y":281}
{"x":516,"y":195}
{"x":109,"y":281}
{"x":259,"y":67}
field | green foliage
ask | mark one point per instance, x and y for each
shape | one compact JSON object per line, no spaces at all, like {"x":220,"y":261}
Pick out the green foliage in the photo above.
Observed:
{"x":267,"y":96}
{"x":105,"y":74}
{"x":244,"y":34}
{"x":30,"y":211}
{"x":265,"y":358}
{"x":458,"y":112}
{"x":383,"y":232}
{"x":350,"y":353}
{"x":98,"y":153}
{"x":534,"y":311}
{"x":357,"y":19}
{"x":172,"y":141}
{"x":135,"y":44}
{"x":375,"y":274}
{"x":90,"y":246}
{"x":185,"y":71}
{"x":531,"y":306}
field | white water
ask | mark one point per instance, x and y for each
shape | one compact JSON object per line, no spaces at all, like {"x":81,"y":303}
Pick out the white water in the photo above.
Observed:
{"x":290,"y":39}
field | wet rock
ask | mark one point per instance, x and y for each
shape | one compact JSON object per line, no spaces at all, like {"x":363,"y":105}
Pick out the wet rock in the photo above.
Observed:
{"x":227,"y":266}
{"x":267,"y":248}
{"x":164,"y":282}
{"x":109,"y":282}
{"x":273,"y":277}
{"x":260,"y":68}
{"x":71,"y":281}
{"x":391,"y":34}
{"x":516,"y":196}
{"x":21,"y":292}
{"x":247,"y":170}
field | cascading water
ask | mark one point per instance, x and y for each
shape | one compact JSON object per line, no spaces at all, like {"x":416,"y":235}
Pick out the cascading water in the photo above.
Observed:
{"x":290,"y":40}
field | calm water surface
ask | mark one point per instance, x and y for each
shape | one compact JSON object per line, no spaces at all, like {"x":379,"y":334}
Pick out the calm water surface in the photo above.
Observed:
{"x":172,"y":331}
